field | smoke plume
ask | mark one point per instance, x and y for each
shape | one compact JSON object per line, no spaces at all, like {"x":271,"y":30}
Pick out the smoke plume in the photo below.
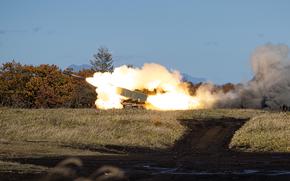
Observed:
{"x":270,"y":86}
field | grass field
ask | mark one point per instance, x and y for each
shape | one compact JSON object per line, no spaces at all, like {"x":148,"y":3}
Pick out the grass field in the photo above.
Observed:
{"x":49,"y":133}
{"x":269,"y":132}
{"x":45,"y":129}
{"x":91,"y":127}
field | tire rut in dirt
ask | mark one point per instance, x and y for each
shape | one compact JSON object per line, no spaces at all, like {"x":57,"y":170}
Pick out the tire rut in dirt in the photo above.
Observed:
{"x":207,"y":136}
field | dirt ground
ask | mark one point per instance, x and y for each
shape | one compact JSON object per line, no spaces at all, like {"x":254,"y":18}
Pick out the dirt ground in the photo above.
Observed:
{"x":201,"y":154}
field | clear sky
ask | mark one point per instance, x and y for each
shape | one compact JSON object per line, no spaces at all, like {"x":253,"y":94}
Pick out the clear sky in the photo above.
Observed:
{"x":203,"y":38}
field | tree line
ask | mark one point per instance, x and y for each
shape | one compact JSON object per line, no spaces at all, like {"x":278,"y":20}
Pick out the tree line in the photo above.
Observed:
{"x":47,"y":86}
{"x":43,"y":86}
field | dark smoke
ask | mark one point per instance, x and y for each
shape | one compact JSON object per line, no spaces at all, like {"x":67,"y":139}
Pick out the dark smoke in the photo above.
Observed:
{"x":270,"y":86}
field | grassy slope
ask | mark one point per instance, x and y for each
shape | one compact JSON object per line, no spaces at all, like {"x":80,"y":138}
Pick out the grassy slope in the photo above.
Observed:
{"x":87,"y":126}
{"x":269,"y":132}
{"x":59,"y":132}
{"x":45,"y":129}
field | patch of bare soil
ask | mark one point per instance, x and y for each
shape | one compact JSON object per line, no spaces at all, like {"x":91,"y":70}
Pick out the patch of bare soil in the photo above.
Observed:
{"x":200,"y":154}
{"x":207,"y":136}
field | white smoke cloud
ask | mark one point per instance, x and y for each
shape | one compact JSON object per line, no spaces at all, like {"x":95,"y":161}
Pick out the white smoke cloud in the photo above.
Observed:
{"x":171,"y":93}
{"x":270,"y":86}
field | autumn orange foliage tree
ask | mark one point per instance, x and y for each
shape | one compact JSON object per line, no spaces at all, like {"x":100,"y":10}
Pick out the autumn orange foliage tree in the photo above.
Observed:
{"x":43,"y":86}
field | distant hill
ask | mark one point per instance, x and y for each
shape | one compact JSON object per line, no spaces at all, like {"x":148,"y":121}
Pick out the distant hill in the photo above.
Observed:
{"x":77,"y":68}
{"x":185,"y":76}
{"x":194,"y":80}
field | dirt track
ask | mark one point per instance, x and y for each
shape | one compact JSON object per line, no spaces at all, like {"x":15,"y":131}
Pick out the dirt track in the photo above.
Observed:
{"x":201,"y":154}
{"x":207,"y":136}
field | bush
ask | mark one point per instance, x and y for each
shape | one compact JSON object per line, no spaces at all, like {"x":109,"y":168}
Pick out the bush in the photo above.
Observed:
{"x":43,"y":86}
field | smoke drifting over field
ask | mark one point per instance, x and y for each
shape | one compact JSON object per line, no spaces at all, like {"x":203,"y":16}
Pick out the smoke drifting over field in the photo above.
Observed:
{"x":270,"y":86}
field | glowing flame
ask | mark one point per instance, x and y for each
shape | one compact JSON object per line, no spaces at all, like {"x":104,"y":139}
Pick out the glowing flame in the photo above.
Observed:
{"x":172,"y":101}
{"x":170,"y":92}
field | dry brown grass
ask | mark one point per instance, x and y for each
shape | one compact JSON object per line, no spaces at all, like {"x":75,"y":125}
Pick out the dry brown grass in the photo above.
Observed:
{"x":269,"y":132}
{"x":88,"y":126}
{"x":132,"y":127}
{"x":64,"y":132}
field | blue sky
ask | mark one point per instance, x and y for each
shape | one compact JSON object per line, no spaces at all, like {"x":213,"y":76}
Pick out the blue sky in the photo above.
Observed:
{"x":203,"y":38}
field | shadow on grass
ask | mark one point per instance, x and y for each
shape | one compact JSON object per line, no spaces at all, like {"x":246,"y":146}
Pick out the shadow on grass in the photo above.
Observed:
{"x":203,"y":147}
{"x":201,"y":136}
